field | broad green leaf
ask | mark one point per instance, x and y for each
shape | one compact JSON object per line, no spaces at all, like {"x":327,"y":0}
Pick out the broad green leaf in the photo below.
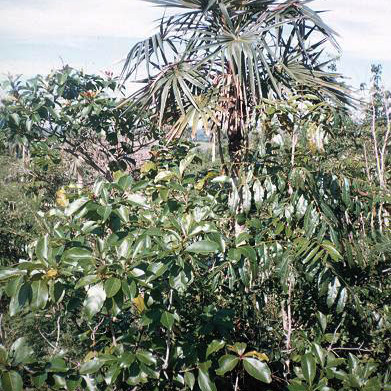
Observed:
{"x":319,"y":353}
{"x":39,"y":380}
{"x":90,"y":367}
{"x":322,"y":319}
{"x":332,"y":251}
{"x":125,"y":248}
{"x":16,"y":118}
{"x":129,"y":290}
{"x":203,"y":247}
{"x":42,"y":248}
{"x":204,"y":381}
{"x":40,"y":294}
{"x":308,"y":366}
{"x":112,"y":286}
{"x":257,"y":369}
{"x":343,"y":298}
{"x":22,"y":352}
{"x":248,"y":252}
{"x":179,"y":282}
{"x":104,"y":212}
{"x":11,"y":381}
{"x":126,"y":359}
{"x":227,"y":363}
{"x":147,"y":167}
{"x":73,"y":383}
{"x":75,"y":206}
{"x":189,"y":379}
{"x":96,"y":297}
{"x":87,"y":280}
{"x":112,"y":374}
{"x":138,"y":199}
{"x":214,"y":347}
{"x":7,"y":273}
{"x":332,"y":292}
{"x":146,"y":357}
{"x":167,"y":320}
{"x":57,"y":364}
{"x":78,"y":253}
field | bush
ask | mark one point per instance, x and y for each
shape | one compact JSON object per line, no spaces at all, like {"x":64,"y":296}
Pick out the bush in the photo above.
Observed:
{"x":165,"y":295}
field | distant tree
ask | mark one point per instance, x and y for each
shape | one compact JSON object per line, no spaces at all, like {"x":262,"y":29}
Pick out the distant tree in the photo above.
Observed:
{"x":76,"y":114}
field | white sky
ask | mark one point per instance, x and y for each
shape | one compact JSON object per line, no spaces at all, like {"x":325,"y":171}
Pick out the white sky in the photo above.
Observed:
{"x":37,"y":35}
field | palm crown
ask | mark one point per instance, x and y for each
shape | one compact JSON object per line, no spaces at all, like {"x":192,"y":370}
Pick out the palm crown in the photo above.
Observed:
{"x":215,"y":62}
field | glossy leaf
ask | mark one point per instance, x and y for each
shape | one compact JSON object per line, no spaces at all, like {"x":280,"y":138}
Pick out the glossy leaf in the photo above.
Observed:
{"x":189,"y":379}
{"x":308,"y":367}
{"x":203,"y":247}
{"x":40,"y":294}
{"x":96,"y":297}
{"x":112,"y":286}
{"x":167,"y":320}
{"x":257,"y":369}
{"x":227,"y":363}
{"x":214,"y":347}
{"x":203,"y":380}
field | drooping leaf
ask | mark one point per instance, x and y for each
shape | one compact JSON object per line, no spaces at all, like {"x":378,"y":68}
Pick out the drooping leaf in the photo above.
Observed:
{"x":257,"y":369}
{"x":332,"y":292}
{"x":40,"y":294}
{"x":204,"y":381}
{"x":189,"y":379}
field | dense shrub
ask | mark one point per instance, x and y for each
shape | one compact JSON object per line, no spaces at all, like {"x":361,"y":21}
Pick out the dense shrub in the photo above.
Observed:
{"x":164,"y":295}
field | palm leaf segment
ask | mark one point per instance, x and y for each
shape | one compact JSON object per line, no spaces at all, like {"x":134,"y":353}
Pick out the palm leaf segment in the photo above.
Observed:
{"x":220,"y":58}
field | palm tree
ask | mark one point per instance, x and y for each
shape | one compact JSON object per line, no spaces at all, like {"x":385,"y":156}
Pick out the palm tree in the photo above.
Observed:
{"x":214,"y":64}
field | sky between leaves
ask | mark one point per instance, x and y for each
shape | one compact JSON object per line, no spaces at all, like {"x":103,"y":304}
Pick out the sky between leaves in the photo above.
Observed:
{"x":39,"y":35}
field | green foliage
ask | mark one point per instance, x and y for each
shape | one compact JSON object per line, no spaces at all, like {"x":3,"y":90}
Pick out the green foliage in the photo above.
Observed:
{"x":18,"y":208}
{"x":165,"y":295}
{"x":72,"y":116}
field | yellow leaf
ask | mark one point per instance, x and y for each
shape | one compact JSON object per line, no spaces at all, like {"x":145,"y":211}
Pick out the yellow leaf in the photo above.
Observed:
{"x":51,"y":273}
{"x":89,"y":356}
{"x":61,"y":198}
{"x":200,"y":184}
{"x":139,"y":303}
{"x":259,"y":356}
{"x":147,"y":166}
